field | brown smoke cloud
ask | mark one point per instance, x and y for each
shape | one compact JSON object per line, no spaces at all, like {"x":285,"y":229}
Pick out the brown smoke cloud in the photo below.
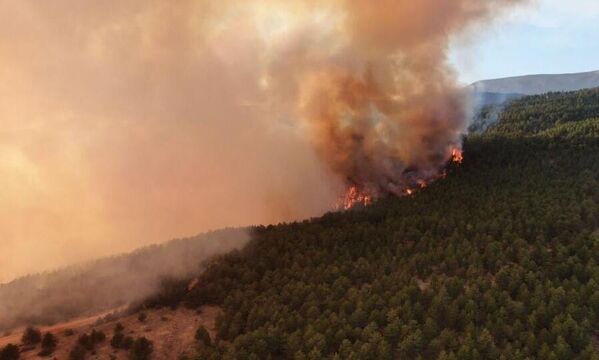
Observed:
{"x":378,"y":97}
{"x":133,"y":121}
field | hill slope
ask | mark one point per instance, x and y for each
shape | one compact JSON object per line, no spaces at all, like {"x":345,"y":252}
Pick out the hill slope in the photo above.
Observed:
{"x":498,"y":260}
{"x":533,"y":113}
{"x":104,"y":284}
{"x":540,"y":112}
{"x":488,"y":97}
{"x":171,"y":332}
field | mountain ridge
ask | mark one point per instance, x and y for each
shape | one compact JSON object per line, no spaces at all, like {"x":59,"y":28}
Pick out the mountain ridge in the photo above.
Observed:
{"x":535,"y":84}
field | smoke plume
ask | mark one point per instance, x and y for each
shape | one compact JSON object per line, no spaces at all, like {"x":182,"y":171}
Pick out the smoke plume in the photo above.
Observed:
{"x":133,"y":121}
{"x":373,"y":86}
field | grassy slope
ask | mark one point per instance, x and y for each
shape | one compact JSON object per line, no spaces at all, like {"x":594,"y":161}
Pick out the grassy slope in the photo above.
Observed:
{"x":171,"y":332}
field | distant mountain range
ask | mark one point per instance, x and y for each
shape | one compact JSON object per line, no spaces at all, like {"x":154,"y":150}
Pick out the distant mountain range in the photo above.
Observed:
{"x":538,"y":84}
{"x":488,"y":96}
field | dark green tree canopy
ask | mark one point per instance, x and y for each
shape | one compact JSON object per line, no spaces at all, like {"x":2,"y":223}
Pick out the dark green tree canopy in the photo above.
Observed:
{"x":499,"y":260}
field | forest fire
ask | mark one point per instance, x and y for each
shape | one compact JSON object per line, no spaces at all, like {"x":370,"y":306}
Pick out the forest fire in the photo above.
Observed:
{"x":354,"y":195}
{"x":457,"y":156}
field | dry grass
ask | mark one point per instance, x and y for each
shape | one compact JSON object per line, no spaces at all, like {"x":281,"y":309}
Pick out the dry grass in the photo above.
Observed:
{"x":171,"y":331}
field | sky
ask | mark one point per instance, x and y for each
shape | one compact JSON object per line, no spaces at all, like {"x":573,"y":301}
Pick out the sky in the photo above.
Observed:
{"x":544,"y":37}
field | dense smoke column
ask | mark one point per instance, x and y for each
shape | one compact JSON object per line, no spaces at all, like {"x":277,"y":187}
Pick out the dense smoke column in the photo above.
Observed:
{"x":380,"y":103}
{"x":379,"y":143}
{"x":127,"y":122}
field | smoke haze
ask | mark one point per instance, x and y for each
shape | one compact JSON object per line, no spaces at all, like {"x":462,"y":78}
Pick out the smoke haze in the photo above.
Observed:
{"x":129,"y":122}
{"x":110,"y":283}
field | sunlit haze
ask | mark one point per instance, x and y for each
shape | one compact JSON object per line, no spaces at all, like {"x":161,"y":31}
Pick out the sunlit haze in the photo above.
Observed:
{"x":125,"y":123}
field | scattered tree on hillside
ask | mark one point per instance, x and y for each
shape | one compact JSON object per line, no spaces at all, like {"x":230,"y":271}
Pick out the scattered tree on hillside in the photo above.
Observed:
{"x":119,"y":340}
{"x":118,"y":327}
{"x":78,"y":352}
{"x":90,"y":341}
{"x":9,"y":352}
{"x":141,"y":350}
{"x":49,"y":343}
{"x":202,"y":336}
{"x":142,"y":316}
{"x":97,"y":336}
{"x":31,"y":336}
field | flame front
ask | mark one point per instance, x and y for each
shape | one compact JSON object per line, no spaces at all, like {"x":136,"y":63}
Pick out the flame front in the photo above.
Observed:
{"x":354,"y":196}
{"x":457,"y":156}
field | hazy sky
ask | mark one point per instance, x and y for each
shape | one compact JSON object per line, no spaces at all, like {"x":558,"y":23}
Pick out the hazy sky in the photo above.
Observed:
{"x":547,"y":36}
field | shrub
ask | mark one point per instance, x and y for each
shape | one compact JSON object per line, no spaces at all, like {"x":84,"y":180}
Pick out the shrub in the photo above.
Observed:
{"x":118,"y":327}
{"x":85,"y":341}
{"x":202,"y":336}
{"x":117,"y":340}
{"x":127,"y":343}
{"x":142,"y":317}
{"x":48,"y":344}
{"x":69,"y":332}
{"x":97,"y":336}
{"x":141,"y":350}
{"x":120,"y":341}
{"x":31,"y":336}
{"x":90,"y":341}
{"x":9,"y":352}
{"x":77,"y":353}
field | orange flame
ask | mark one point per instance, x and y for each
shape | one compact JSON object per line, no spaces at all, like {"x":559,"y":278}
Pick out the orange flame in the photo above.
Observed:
{"x":354,"y":196}
{"x":457,"y":156}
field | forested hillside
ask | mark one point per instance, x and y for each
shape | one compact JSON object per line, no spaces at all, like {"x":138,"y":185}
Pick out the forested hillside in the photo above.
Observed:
{"x":533,"y":114}
{"x":500,"y":260}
